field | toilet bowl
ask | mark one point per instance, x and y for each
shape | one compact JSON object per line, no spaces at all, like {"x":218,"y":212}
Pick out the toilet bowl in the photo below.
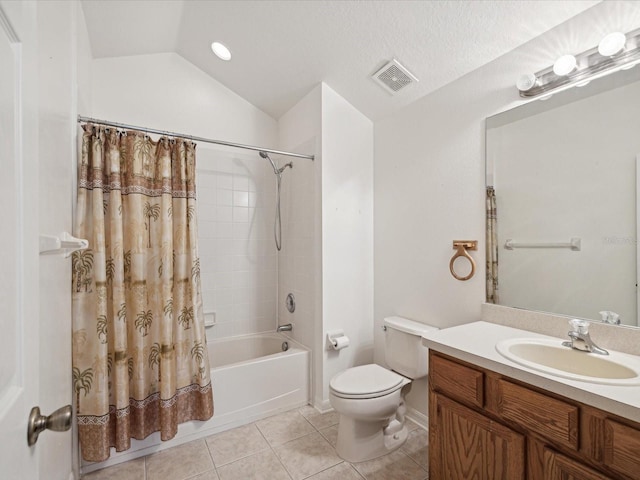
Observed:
{"x":370,"y":398}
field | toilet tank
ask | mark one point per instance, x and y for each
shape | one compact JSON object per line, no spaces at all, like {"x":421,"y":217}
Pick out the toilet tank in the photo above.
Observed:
{"x":404,"y":352}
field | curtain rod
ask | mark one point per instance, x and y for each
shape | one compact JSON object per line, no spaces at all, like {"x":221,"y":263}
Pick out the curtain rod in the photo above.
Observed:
{"x":191,"y":137}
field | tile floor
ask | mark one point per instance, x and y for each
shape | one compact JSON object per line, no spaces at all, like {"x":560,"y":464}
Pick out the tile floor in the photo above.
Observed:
{"x":294,"y":445}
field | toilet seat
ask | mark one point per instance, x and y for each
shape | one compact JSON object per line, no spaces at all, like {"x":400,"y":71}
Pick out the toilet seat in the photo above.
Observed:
{"x":366,"y":381}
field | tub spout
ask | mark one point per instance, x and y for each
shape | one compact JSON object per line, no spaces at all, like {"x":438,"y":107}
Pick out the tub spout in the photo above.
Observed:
{"x":284,"y":328}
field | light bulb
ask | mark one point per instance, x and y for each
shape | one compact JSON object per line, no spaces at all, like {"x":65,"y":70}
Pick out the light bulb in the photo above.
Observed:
{"x":564,"y":65}
{"x":526,"y":82}
{"x":612,"y":44}
{"x":221,"y":51}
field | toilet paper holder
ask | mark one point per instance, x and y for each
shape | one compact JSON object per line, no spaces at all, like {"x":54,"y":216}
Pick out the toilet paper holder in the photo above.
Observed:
{"x":337,"y":340}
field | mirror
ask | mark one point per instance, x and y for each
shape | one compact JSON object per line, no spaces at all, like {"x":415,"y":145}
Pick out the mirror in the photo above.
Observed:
{"x":565,"y":174}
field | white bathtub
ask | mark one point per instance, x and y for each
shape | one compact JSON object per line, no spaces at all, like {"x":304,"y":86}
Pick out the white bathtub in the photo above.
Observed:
{"x":252,"y":378}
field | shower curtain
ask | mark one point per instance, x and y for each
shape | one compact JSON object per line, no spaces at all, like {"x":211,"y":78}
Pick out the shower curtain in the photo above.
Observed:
{"x":140,"y":362}
{"x":492,"y":247}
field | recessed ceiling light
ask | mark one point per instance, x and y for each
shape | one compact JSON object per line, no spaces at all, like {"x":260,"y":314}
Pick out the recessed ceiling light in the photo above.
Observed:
{"x":221,"y":51}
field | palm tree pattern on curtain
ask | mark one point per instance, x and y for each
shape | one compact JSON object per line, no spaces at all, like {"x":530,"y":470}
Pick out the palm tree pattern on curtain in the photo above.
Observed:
{"x":140,"y":361}
{"x":492,"y":247}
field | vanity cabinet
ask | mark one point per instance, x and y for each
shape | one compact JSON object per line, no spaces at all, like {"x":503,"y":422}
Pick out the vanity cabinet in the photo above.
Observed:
{"x":471,"y":445}
{"x":486,"y":426}
{"x":559,"y":467}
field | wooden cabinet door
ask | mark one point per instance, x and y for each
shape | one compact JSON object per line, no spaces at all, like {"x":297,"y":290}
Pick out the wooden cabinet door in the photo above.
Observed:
{"x":622,"y":448}
{"x":559,"y":467}
{"x":467,"y":445}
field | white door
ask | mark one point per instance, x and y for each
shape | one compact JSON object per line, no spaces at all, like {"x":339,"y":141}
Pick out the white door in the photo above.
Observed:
{"x":18,"y":252}
{"x":35,"y":185}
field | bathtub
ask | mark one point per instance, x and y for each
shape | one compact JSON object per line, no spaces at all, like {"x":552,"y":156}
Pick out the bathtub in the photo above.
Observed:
{"x":252,"y":378}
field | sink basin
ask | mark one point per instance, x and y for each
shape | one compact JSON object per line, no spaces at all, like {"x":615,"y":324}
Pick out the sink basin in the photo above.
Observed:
{"x":551,"y":357}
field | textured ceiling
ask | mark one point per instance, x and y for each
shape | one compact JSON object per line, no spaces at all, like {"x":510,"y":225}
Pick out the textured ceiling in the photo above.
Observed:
{"x":282,"y":49}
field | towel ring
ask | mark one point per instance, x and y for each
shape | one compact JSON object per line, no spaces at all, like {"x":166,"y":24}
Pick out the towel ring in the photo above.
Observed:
{"x":461,"y":247}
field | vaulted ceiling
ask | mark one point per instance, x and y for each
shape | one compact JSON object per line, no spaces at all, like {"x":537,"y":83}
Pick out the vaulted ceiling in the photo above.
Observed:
{"x":281,"y":49}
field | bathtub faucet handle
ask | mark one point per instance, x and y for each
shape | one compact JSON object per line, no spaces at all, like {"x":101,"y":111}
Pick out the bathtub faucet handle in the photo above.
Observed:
{"x":284,"y":328}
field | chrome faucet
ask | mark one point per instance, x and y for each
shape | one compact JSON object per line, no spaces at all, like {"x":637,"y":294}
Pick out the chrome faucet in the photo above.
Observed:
{"x":284,"y":328}
{"x":580,"y":338}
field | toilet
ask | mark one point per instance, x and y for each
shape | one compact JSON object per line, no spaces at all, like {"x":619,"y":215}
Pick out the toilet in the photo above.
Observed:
{"x":370,"y":398}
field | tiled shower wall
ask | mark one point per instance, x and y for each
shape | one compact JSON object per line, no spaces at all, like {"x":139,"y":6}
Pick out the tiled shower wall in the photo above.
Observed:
{"x":238,"y":262}
{"x":297,"y":273}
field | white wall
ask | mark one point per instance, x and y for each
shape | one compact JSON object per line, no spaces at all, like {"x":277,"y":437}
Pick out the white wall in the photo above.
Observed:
{"x":236,"y":189}
{"x":84,"y":63}
{"x":165,"y":91}
{"x":299,"y":267}
{"x":579,"y":180}
{"x":347,"y":233}
{"x":429,"y":180}
{"x":338,"y":204}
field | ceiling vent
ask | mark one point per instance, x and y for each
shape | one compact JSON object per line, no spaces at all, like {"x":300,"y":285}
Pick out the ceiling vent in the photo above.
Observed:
{"x":393,"y":77}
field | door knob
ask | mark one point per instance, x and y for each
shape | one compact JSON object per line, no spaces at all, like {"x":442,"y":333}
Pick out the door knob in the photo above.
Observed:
{"x":58,"y":421}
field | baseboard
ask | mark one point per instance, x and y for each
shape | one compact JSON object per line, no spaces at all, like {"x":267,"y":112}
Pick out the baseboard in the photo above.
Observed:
{"x":418,"y":417}
{"x":323,"y":406}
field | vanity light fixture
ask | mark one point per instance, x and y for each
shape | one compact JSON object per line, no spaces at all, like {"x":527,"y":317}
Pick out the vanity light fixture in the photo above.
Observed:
{"x":615,"y":52}
{"x":526,"y":82}
{"x":612,"y":44}
{"x":565,"y":65}
{"x":221,"y":51}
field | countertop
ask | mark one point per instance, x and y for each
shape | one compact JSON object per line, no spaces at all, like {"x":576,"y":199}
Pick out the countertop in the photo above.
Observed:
{"x":475,"y":343}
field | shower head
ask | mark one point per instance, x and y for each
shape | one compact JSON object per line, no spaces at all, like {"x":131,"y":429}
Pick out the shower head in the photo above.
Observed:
{"x":266,"y":155}
{"x":276,"y":170}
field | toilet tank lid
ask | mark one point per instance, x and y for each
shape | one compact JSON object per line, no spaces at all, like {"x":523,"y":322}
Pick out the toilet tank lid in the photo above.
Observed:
{"x":408,"y":326}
